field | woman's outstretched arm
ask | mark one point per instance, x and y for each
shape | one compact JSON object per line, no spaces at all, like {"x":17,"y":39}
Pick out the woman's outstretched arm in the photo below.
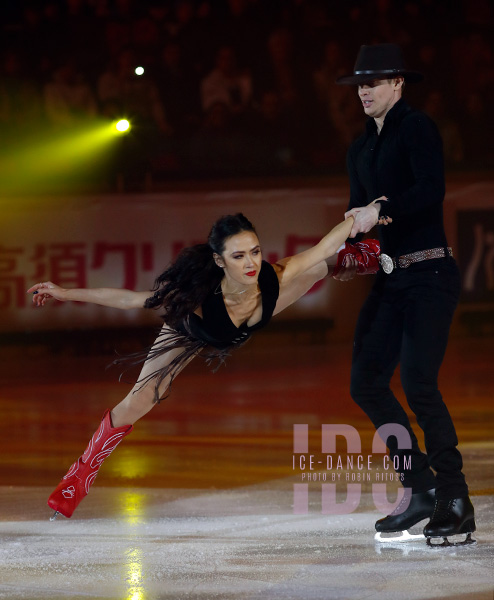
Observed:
{"x":112,"y":297}
{"x":296,"y":265}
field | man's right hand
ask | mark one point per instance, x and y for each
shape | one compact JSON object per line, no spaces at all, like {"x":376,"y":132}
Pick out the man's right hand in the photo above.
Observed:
{"x":366,"y":217}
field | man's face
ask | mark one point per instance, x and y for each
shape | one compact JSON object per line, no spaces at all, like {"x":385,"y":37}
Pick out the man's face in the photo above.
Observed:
{"x":379,"y":95}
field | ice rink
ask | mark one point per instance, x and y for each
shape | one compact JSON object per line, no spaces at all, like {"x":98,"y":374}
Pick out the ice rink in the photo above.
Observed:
{"x":197,"y":503}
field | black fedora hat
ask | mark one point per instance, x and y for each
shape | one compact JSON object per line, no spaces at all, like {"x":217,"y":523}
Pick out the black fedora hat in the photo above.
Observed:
{"x":380,"y":61}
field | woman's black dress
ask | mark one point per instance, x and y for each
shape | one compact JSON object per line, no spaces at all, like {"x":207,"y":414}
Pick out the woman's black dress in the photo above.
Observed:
{"x":213,"y":335}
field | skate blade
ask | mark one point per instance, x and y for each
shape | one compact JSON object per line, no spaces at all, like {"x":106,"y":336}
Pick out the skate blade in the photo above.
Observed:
{"x":55,"y":515}
{"x":446,"y":543}
{"x":404,"y":536}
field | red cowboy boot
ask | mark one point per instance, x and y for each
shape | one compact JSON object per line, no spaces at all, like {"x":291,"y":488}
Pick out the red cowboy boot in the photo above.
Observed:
{"x":366,"y":253}
{"x":75,"y":485}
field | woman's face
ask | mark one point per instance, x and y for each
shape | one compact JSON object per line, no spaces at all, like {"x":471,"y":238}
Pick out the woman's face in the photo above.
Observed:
{"x":241,"y":258}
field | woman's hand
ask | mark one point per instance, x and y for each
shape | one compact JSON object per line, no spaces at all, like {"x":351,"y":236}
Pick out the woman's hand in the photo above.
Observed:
{"x":112,"y":297}
{"x":366,"y":217}
{"x":42,"y":292}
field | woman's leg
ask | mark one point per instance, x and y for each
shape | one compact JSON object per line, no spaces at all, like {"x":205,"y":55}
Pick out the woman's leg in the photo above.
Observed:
{"x":141,"y":399}
{"x":114,"y":426}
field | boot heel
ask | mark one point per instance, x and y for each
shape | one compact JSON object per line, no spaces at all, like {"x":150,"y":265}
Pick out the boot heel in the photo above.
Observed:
{"x":468,"y":526}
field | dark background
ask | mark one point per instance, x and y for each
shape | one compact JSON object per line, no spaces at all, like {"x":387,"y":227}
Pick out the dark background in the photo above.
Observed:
{"x":66,"y":63}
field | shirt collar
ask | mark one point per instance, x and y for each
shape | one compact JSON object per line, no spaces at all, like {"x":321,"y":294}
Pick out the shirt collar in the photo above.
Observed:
{"x":395,"y":114}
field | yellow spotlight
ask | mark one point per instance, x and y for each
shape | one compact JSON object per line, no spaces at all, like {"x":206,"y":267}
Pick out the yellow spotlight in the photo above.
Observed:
{"x":122,"y":125}
{"x":139,"y":71}
{"x":57,"y":161}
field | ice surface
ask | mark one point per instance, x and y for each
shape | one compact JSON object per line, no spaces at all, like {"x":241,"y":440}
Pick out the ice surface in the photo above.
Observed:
{"x":242,"y":543}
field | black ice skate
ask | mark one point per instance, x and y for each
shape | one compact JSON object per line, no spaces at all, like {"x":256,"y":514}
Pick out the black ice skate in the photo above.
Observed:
{"x":400,"y":520}
{"x":451,"y":517}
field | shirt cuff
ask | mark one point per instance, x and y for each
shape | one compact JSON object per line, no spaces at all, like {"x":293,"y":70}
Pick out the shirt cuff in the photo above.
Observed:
{"x":386,"y":208}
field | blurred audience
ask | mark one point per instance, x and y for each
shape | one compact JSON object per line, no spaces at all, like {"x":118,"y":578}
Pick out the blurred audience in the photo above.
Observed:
{"x":21,"y":102}
{"x":178,"y":88}
{"x":68,"y":98}
{"x":241,"y":86}
{"x":137,"y":94}
{"x":285,"y":73}
{"x":435,"y":107}
{"x":339,"y":109}
{"x":227,"y":83}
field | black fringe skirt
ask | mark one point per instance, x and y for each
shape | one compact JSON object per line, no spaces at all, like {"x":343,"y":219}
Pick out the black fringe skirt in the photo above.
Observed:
{"x":167,"y":341}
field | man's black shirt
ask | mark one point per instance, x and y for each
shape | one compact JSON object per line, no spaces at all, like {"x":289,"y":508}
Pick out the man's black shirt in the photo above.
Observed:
{"x":405,"y":164}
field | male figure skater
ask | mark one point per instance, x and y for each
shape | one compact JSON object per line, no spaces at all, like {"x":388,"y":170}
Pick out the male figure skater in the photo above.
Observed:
{"x":396,"y":177}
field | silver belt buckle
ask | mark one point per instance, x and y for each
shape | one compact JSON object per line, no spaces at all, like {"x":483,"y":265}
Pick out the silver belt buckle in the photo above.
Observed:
{"x":386,"y":263}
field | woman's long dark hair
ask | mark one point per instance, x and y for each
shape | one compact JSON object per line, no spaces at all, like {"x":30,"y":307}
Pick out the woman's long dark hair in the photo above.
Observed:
{"x":187,"y":281}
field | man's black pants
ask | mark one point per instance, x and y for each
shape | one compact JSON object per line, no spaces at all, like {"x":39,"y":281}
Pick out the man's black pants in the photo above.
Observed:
{"x":406,"y":320}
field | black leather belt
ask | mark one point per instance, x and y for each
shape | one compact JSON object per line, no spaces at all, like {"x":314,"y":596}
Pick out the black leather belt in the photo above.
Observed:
{"x":403,"y":262}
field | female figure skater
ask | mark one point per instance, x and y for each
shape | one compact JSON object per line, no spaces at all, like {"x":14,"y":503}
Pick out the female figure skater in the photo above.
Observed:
{"x":214,"y":296}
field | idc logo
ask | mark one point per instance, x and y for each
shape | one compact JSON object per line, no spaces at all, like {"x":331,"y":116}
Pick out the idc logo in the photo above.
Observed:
{"x":351,"y":469}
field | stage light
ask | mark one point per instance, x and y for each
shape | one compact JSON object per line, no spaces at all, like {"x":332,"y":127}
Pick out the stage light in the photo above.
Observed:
{"x":122,"y":126}
{"x":139,"y":71}
{"x":49,"y":160}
